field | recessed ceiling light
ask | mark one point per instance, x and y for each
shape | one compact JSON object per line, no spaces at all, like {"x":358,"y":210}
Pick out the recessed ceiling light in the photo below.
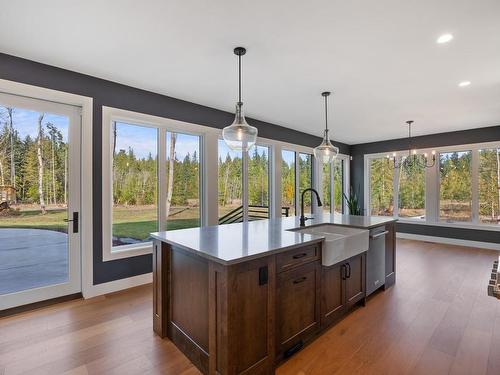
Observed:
{"x":464,"y":83}
{"x":445,"y":38}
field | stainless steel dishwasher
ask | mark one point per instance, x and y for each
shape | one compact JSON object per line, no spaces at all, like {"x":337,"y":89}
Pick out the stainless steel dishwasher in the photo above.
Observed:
{"x":375,"y":260}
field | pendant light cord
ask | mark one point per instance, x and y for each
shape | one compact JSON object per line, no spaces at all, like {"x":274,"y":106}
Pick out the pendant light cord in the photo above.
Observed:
{"x":239,"y":80}
{"x":409,"y":137}
{"x":326,"y":113}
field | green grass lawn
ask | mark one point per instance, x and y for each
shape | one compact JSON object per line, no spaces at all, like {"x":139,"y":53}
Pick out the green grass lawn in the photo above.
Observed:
{"x":127,"y":222}
{"x":140,"y":229}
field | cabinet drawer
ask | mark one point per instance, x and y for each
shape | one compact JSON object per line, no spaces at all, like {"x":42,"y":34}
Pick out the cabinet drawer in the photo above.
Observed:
{"x":296,"y":257}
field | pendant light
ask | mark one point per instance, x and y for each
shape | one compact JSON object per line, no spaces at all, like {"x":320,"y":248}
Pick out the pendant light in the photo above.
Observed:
{"x":326,"y":152}
{"x":239,"y":136}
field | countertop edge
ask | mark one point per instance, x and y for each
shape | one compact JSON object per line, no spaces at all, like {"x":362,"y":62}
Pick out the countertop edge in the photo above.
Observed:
{"x":239,"y":260}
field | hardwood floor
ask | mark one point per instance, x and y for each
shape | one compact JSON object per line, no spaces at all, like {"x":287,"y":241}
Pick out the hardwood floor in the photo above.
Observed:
{"x":437,"y":319}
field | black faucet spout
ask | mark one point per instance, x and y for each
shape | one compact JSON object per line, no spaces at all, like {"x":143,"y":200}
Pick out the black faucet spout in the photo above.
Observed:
{"x":303,"y":218}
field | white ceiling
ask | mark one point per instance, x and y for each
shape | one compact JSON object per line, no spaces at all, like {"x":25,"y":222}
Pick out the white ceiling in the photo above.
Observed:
{"x":379,"y":57}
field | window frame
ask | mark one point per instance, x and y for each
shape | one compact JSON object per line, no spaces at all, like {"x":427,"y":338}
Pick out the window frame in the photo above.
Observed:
{"x":270,"y":184}
{"x":162,"y":125}
{"x":345,"y":182}
{"x":432,"y":187}
{"x":438,"y":163}
{"x":295,"y":168}
{"x":245,"y":158}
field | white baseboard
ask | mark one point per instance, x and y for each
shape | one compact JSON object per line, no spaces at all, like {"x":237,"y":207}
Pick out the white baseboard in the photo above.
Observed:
{"x":449,"y":241}
{"x":115,"y":286}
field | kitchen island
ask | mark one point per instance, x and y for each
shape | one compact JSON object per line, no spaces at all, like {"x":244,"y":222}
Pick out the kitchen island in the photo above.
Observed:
{"x":241,"y":298}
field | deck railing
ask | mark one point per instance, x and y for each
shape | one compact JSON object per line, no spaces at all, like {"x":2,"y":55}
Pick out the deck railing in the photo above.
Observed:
{"x":255,"y":212}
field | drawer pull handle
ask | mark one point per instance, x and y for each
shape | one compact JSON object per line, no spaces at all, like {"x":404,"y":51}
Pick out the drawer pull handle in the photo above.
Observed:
{"x":374,"y":236}
{"x":299,"y":280}
{"x":298,"y":256}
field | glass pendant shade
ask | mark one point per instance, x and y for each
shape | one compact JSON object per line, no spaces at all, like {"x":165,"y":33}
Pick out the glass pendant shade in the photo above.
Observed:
{"x":239,"y":136}
{"x":326,"y":152}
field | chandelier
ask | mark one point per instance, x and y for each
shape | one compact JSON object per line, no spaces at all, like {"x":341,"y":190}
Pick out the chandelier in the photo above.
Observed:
{"x":412,"y":160}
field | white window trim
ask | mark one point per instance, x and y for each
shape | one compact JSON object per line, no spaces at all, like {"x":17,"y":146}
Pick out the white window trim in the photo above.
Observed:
{"x":345,"y":182}
{"x":164,"y":125}
{"x":432,"y":186}
{"x":245,"y":158}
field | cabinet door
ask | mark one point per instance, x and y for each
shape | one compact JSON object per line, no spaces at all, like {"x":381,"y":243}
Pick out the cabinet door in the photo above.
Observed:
{"x":355,"y":281}
{"x":390,"y":256}
{"x":246,"y":316}
{"x":298,"y":305}
{"x":332,"y":293}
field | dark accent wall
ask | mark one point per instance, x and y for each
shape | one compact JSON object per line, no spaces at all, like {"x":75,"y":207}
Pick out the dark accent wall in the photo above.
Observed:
{"x":489,"y":134}
{"x":107,"y":93}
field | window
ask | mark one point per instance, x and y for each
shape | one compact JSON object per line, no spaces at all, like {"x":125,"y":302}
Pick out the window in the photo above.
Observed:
{"x":332,"y":182}
{"x":338,"y":185}
{"x":151,"y":177}
{"x":455,"y":189}
{"x":489,"y":186}
{"x":288,"y":181}
{"x":230,"y":183}
{"x":239,"y":201}
{"x":411,"y":191}
{"x":462,"y":187}
{"x":305,"y":179}
{"x":135,"y":210}
{"x":258,"y":182}
{"x":182,"y":180}
{"x":381,"y":187}
{"x":327,"y":187}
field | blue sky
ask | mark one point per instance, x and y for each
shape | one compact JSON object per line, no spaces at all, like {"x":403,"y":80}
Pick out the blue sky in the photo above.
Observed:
{"x":143,"y":140}
{"x":26,"y":122}
{"x":288,"y":157}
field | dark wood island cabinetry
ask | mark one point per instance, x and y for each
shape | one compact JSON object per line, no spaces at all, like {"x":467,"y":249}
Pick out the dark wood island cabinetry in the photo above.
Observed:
{"x":246,"y":314}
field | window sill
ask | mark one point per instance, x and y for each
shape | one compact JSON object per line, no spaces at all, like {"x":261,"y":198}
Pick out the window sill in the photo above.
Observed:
{"x":127,"y":251}
{"x":452,"y":225}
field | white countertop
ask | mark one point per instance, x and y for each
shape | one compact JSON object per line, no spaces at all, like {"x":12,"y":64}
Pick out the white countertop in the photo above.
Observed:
{"x":235,"y":243}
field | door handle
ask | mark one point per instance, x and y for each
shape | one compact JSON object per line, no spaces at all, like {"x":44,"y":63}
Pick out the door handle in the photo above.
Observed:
{"x":74,"y":221}
{"x":343,"y":271}
{"x":348,"y":267}
{"x":298,"y":256}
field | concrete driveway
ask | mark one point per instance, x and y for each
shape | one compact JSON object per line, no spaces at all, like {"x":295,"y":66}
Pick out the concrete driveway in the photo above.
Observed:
{"x":31,"y":258}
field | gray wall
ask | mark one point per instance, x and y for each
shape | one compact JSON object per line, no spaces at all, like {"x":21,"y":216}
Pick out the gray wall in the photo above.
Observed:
{"x":106,"y":93}
{"x":358,"y":152}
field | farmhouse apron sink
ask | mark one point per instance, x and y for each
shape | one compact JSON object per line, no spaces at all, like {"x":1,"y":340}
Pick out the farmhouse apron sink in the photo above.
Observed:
{"x":341,"y":243}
